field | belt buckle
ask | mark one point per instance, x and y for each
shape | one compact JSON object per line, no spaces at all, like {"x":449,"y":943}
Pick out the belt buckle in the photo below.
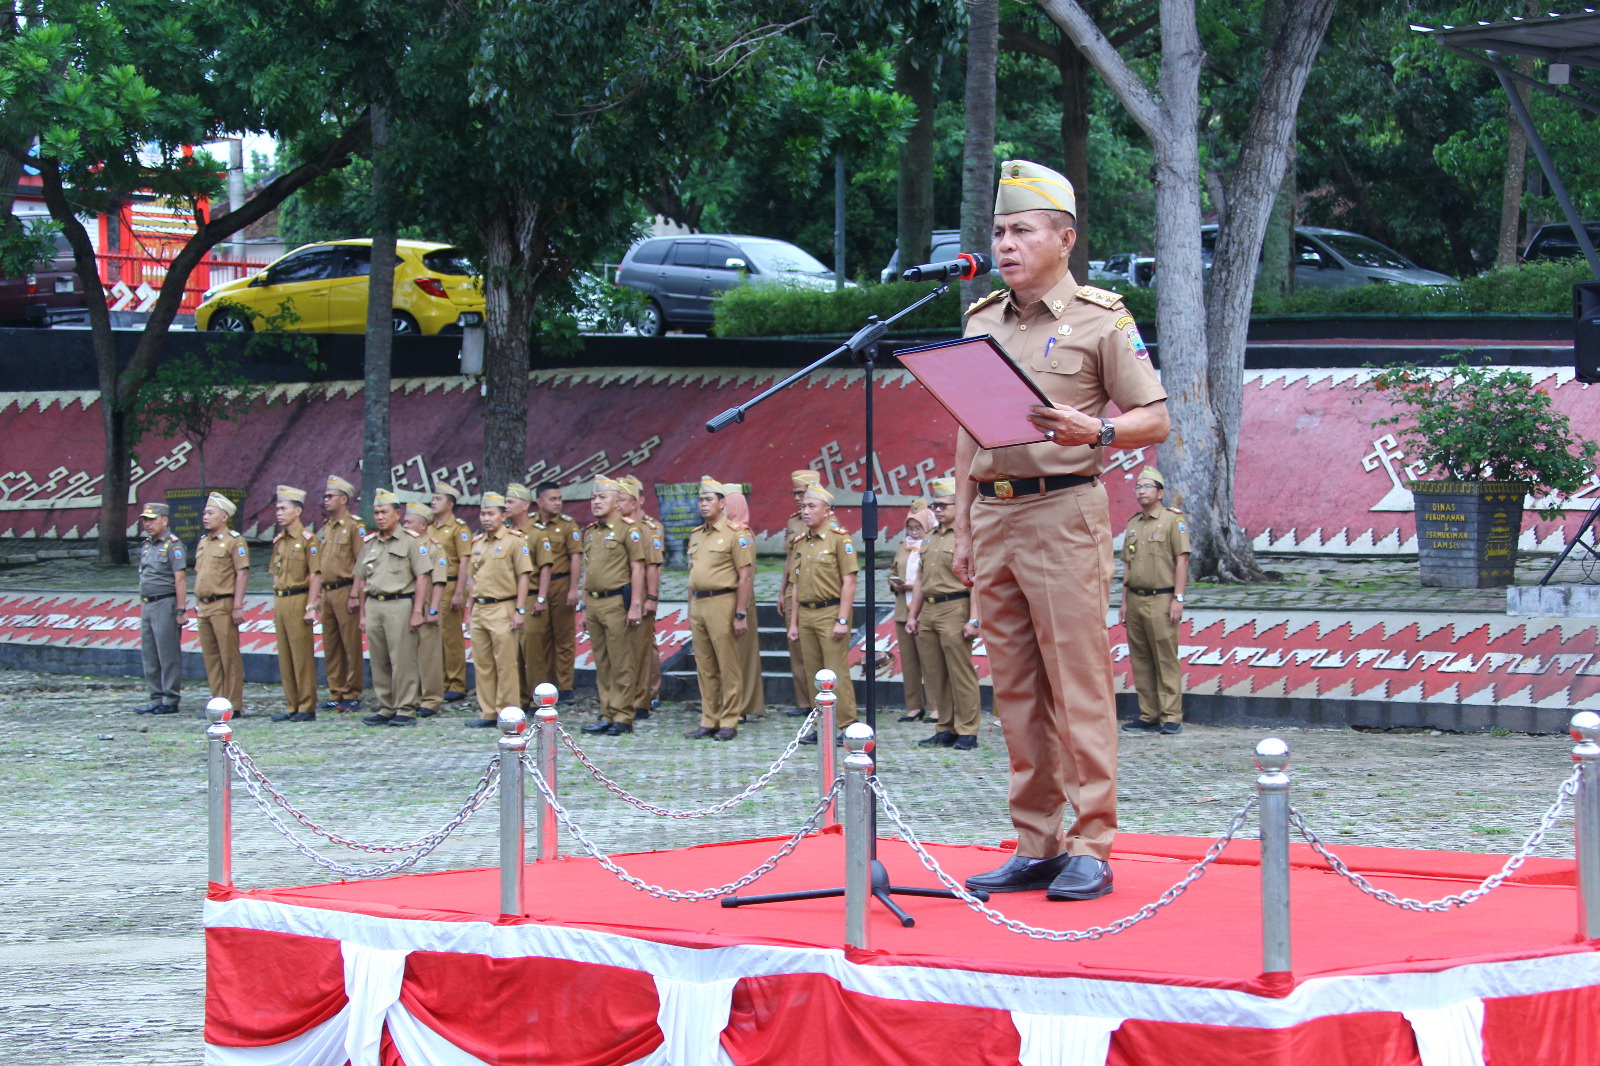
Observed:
{"x":1002,"y":489}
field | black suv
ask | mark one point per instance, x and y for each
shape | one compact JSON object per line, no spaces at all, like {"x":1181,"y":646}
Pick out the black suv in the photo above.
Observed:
{"x":1557,"y":241}
{"x":681,"y":275}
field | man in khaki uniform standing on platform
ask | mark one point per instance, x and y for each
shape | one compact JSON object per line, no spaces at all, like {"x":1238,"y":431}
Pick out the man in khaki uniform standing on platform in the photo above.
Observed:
{"x":613,"y":603}
{"x":822,"y":592}
{"x":221,"y":572}
{"x":393,"y":579}
{"x":498,"y":569}
{"x":296,"y":590}
{"x":553,"y":617}
{"x":1155,"y":572}
{"x":1034,"y":534}
{"x":647,"y":681}
{"x":455,"y":543}
{"x":722,"y":564}
{"x":430,"y":639}
{"x":338,"y":543}
{"x":793,"y":530}
{"x":941,"y":618}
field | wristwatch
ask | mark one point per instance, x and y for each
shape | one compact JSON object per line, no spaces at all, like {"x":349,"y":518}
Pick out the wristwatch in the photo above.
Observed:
{"x":844,"y":621}
{"x":1108,"y":433}
{"x":522,"y":610}
{"x":433,"y":610}
{"x":1178,"y":598}
{"x":974,"y":623}
{"x":740,"y":615}
{"x":538,"y":599}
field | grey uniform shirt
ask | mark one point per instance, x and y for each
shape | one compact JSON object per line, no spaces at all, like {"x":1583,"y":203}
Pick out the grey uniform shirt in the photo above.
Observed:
{"x":160,"y":559}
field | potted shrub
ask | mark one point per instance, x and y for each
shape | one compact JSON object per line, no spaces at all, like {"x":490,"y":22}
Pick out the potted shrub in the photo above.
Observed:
{"x":1489,"y":438}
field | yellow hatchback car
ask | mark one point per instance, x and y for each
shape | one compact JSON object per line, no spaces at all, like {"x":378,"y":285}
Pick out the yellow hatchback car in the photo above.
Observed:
{"x":325,"y":289}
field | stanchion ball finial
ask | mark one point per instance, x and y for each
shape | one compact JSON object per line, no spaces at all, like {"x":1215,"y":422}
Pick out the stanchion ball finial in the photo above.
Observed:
{"x":545,"y":694}
{"x":858,"y":736}
{"x":1585,"y":727}
{"x":218,"y":710}
{"x":826,"y":680}
{"x":1272,"y":755}
{"x":512,"y":722}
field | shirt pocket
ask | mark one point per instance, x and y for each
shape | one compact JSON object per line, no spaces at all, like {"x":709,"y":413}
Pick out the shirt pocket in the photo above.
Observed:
{"x":1057,"y":360}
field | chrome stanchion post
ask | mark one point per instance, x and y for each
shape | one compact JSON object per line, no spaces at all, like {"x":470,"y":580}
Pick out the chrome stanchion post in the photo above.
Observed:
{"x":546,"y":843}
{"x":219,"y":793}
{"x":1272,"y":759}
{"x":1585,"y":730}
{"x":512,"y":744}
{"x":858,"y":743}
{"x":827,"y":710}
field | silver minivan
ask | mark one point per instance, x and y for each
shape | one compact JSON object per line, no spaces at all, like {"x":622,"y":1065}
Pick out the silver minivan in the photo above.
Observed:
{"x":1338,"y":259}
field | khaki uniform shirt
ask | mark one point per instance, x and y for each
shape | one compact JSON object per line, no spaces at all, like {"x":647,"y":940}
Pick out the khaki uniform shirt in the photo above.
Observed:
{"x":1150,"y":549}
{"x":821,"y":562}
{"x":610,"y":549}
{"x":216,"y":559}
{"x":1081,"y":347}
{"x":717,"y":552}
{"x":390,"y":566}
{"x":338,"y":544}
{"x":655,"y":539}
{"x":452,"y":539}
{"x":160,"y":560}
{"x":294,"y":558}
{"x":495,"y":562}
{"x":938,"y":563}
{"x":566,"y":540}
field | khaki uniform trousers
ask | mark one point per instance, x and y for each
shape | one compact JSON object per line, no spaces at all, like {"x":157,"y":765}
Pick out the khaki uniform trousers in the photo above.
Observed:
{"x":297,"y":662}
{"x":341,"y":645}
{"x":911,"y":679}
{"x":1153,"y":650}
{"x":1044,"y":585}
{"x":717,"y":660}
{"x":494,"y":656}
{"x":452,"y":644}
{"x":819,"y":651}
{"x":752,"y":685}
{"x":805,"y":691}
{"x":947,"y":660}
{"x":645,"y":656}
{"x":160,"y":649}
{"x":552,"y":636}
{"x":614,"y":655}
{"x":430,"y":664}
{"x":392,"y":645}
{"x":219,"y":648}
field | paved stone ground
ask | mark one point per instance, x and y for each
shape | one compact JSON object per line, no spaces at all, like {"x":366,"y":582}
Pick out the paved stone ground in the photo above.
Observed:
{"x":102,"y":824}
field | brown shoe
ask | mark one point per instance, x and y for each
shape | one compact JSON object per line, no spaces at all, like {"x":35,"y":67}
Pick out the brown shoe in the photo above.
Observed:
{"x":725,"y":733}
{"x":700,"y":734}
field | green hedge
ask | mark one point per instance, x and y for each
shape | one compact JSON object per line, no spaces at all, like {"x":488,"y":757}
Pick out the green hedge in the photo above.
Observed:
{"x":772,"y":311}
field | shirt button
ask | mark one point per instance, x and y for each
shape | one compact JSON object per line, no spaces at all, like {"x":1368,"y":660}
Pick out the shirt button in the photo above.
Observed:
{"x":1054,"y":363}
{"x":1023,"y":327}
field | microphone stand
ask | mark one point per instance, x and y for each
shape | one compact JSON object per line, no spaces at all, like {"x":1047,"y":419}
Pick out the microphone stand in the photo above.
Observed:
{"x":863,"y":350}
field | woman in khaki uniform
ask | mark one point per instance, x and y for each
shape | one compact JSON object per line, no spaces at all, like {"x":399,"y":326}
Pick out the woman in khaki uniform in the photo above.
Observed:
{"x":497,"y":602}
{"x":221,"y":572}
{"x":902,"y":578}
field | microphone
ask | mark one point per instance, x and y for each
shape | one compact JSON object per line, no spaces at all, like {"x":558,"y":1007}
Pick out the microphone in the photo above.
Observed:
{"x":965,"y":266}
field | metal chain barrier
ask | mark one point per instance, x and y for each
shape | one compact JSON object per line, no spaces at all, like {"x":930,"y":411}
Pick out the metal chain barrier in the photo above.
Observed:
{"x":1095,"y":932}
{"x":677,"y":895}
{"x":1564,"y":795}
{"x":702,"y":812}
{"x":268,"y":798}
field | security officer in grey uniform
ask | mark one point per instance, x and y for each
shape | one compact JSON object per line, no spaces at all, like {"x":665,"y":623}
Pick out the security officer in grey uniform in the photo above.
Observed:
{"x":1155,"y":572}
{"x":163,"y":596}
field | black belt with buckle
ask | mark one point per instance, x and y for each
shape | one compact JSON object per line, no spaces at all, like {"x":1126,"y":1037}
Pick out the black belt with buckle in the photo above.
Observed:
{"x":700,"y":595}
{"x":1011,"y":488}
{"x":155,"y":599}
{"x":385,"y":597}
{"x":619,"y":590}
{"x":213,"y":599}
{"x":947,"y":597}
{"x":558,"y":577}
{"x":1149,"y":592}
{"x":821,"y":603}
{"x":331,"y":585}
{"x":492,"y":599}
{"x":291,"y":592}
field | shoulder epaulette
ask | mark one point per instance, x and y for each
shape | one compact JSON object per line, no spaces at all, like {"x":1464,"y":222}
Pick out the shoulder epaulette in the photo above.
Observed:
{"x":569,"y":518}
{"x":980,"y":304}
{"x":412,"y":533}
{"x":233,"y":533}
{"x":1175,"y":510}
{"x":1103,"y":297}
{"x":306,"y":533}
{"x":368,"y":536}
{"x":843,"y":532}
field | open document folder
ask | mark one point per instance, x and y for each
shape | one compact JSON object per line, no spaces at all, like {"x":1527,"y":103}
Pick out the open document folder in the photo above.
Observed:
{"x":981,"y":386}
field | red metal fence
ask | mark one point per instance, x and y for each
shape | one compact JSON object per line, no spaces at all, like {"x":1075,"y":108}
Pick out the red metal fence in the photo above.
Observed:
{"x":134,"y":281}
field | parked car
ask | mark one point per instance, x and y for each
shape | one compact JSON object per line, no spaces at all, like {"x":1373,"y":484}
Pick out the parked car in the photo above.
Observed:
{"x":48,"y":293}
{"x":1557,"y":241}
{"x":325,"y":286}
{"x":680,"y":275}
{"x":1125,"y":269}
{"x":1338,"y":259}
{"x":944,"y":244}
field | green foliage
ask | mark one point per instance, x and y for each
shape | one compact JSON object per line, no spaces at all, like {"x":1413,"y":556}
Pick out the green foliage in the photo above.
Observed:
{"x":1530,"y":289}
{"x":779,"y":310}
{"x":187,"y":397}
{"x":1475,"y":423}
{"x":24,"y":247}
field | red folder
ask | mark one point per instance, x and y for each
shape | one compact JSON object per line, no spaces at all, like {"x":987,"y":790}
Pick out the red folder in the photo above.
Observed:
{"x":981,"y":386}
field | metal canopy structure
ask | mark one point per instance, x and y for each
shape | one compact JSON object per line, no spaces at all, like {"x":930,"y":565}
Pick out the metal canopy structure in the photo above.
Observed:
{"x":1564,"y":42}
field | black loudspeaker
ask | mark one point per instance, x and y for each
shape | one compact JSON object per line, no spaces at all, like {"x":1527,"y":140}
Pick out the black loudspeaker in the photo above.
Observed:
{"x":1586,"y":331}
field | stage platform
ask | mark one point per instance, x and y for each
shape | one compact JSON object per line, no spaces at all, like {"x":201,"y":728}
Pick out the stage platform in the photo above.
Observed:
{"x":422,"y":970}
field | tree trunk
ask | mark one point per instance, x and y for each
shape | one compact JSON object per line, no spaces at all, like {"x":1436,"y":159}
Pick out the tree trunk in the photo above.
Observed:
{"x":375,"y":454}
{"x":977,"y":154}
{"x":1508,"y":249}
{"x":514,"y":260}
{"x":1074,"y":70}
{"x":1277,"y":250}
{"x":914,"y":79}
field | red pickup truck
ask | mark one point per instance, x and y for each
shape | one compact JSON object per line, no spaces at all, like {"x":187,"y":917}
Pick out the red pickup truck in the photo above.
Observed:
{"x":51,"y":293}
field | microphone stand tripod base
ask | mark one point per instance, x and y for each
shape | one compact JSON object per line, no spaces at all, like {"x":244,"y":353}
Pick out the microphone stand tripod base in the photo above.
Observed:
{"x":881,"y":891}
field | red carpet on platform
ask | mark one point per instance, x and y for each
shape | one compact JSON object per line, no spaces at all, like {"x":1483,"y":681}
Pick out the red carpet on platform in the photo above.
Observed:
{"x":422,"y":970}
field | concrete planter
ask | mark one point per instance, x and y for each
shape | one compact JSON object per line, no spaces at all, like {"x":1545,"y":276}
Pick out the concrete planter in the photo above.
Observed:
{"x":1467,"y":532}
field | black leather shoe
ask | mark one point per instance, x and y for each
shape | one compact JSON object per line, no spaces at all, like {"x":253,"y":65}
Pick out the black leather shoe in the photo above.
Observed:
{"x":565,"y":695}
{"x":1171,"y":729}
{"x":1019,"y":875}
{"x":402,"y":719}
{"x":809,"y":738}
{"x":479,"y":723}
{"x":725,"y":733}
{"x":940,"y":739}
{"x":596,"y":727}
{"x":699,"y":734}
{"x":1083,"y":877}
{"x":914,"y":716}
{"x":302,"y":716}
{"x":1139,"y":725}
{"x":965,"y":743}
{"x":165,"y":708}
{"x":329,"y":705}
{"x":798,"y":712}
{"x":618,"y":729}
{"x":454,"y":697}
{"x":375,"y":719}
{"x":641,"y":713}
{"x":426,"y":712}
{"x":149,"y":708}
{"x":286,"y":716}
